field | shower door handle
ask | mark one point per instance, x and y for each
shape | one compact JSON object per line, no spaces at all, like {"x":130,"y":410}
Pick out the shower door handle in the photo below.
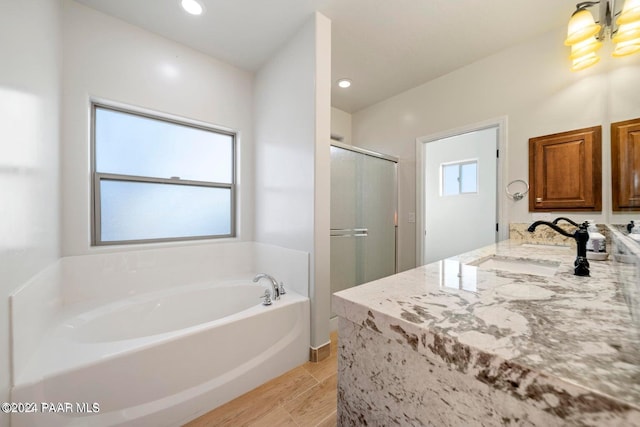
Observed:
{"x":349,"y":232}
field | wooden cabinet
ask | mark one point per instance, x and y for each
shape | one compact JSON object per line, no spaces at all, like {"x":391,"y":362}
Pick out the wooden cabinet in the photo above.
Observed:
{"x":565,"y":171}
{"x":625,"y":165}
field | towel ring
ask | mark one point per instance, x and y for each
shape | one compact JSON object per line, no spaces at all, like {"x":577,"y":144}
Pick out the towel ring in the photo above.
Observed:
{"x":517,"y":195}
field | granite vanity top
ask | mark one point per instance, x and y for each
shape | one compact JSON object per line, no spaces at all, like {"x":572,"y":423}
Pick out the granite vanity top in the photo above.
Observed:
{"x":571,"y":330}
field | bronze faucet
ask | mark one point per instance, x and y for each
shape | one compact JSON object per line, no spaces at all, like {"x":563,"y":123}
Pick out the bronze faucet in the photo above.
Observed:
{"x":582,"y":237}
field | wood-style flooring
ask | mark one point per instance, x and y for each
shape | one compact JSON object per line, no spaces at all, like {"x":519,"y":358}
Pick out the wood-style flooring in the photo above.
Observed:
{"x":303,"y":397}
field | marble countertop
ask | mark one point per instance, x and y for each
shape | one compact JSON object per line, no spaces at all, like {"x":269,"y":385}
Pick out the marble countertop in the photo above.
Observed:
{"x":574,"y":331}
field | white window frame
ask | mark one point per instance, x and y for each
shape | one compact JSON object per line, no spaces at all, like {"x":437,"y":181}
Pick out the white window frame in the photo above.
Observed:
{"x":459,"y":164}
{"x":98,"y":177}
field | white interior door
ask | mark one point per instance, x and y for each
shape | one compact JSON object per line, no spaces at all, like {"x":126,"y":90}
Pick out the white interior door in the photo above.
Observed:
{"x":460,"y":186}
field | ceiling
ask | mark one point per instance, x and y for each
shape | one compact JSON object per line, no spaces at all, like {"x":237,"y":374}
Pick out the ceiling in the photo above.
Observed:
{"x":384,"y":46}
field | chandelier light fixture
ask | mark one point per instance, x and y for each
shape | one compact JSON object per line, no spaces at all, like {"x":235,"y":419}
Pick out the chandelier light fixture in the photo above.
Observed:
{"x":585,"y":35}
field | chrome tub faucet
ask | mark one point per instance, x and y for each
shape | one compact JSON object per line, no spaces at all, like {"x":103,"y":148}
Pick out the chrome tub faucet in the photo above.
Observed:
{"x":277,"y":289}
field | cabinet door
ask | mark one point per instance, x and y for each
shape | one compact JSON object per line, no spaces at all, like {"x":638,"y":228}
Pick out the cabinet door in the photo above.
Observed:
{"x":565,"y":171}
{"x":625,"y":165}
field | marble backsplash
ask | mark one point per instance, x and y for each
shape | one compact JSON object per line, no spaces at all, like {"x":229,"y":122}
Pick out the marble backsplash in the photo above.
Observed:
{"x":542,"y":234}
{"x":548,"y":236}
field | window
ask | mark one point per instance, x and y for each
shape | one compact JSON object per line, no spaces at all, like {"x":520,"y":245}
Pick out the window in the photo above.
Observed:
{"x":460,"y":178}
{"x":156,"y":179}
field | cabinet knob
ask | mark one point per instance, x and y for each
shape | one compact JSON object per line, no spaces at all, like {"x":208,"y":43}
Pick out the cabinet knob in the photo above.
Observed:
{"x":538,"y":199}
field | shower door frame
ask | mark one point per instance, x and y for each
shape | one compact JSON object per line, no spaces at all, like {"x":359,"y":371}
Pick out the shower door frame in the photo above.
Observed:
{"x":392,"y":159}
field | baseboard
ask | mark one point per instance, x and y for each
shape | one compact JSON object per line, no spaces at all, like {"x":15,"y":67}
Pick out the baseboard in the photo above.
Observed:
{"x":320,"y":353}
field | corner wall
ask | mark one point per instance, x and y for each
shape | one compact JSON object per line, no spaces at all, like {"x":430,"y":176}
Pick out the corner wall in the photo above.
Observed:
{"x":341,"y":125}
{"x":532,"y":85}
{"x":292,"y":122}
{"x":29,"y":142}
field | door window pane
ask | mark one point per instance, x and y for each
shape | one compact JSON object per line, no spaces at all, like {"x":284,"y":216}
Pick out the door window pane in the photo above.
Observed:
{"x":450,"y":180}
{"x":469,"y":177}
{"x":459,"y":178}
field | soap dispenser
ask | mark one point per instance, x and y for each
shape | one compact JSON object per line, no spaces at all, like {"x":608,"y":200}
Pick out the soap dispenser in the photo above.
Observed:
{"x":596,"y":243}
{"x":634,"y":230}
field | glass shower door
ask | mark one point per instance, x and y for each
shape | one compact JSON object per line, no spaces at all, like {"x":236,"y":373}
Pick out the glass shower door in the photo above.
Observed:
{"x":363,"y":218}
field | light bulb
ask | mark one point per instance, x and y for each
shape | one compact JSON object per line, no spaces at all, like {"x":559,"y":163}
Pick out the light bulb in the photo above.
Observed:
{"x":192,"y":7}
{"x":585,"y":47}
{"x":630,"y":12}
{"x":584,"y":61}
{"x":627,"y":48}
{"x":581,"y":27}
{"x":627,"y":32}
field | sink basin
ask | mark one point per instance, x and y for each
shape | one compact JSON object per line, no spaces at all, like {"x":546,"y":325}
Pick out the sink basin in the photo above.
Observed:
{"x":518,"y":265}
{"x":544,"y":246}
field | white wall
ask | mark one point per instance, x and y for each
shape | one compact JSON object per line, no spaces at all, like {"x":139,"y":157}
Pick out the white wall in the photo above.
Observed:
{"x":29,"y":140}
{"x":110,"y":59}
{"x":532,"y":85}
{"x":292,"y":122}
{"x":341,"y":124}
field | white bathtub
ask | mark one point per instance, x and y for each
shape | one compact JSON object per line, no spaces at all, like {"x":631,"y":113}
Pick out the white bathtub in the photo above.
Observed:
{"x":161,"y":358}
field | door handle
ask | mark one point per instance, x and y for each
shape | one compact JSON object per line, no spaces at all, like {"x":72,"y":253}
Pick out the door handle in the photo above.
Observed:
{"x":349,"y":232}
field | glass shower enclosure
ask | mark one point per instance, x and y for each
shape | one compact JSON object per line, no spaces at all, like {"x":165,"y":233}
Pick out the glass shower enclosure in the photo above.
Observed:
{"x":363,"y":216}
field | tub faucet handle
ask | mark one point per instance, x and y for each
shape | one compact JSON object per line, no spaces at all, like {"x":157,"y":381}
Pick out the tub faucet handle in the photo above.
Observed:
{"x":281,"y":290}
{"x":266,"y":297}
{"x":274,"y":284}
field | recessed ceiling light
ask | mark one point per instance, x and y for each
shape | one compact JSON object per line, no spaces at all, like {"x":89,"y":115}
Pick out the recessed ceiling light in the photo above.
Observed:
{"x":192,"y":7}
{"x":344,"y":83}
